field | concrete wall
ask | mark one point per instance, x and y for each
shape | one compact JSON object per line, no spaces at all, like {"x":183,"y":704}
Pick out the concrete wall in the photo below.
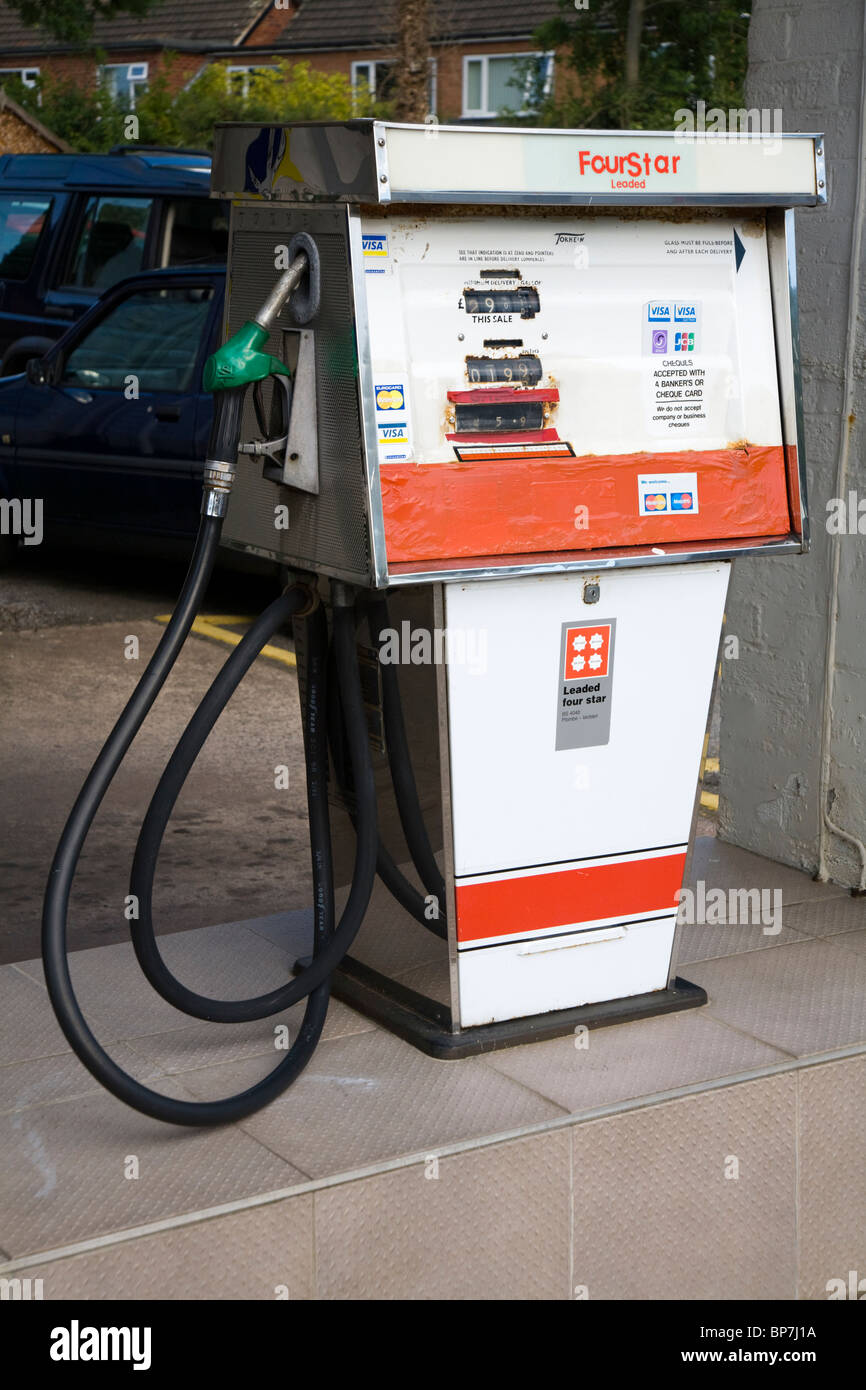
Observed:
{"x":807,"y":59}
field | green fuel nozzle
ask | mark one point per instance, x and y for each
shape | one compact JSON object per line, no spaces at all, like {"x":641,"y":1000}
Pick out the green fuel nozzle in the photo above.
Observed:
{"x":228,"y":372}
{"x":240,"y":361}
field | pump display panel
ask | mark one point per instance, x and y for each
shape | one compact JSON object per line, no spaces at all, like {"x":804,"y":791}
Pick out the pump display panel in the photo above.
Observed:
{"x":525,"y":361}
{"x":572,"y":383}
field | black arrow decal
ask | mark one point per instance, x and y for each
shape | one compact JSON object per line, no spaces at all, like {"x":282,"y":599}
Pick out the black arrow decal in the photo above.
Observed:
{"x":739,"y":250}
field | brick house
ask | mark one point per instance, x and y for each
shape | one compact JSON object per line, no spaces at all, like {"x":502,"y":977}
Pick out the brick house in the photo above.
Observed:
{"x":133,"y":48}
{"x":484,"y":58}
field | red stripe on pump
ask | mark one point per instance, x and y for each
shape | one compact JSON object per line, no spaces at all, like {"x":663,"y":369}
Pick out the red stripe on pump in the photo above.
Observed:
{"x":497,"y":394}
{"x":500,"y":437}
{"x":545,"y":901}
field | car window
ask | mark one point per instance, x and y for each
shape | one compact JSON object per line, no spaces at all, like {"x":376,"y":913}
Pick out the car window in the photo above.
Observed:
{"x":195,"y":232}
{"x":154,"y":335}
{"x":22,"y":222}
{"x":111,"y":244}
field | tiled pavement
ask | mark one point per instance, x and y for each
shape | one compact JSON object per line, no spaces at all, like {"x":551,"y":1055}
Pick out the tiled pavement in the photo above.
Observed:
{"x":717,"y":1153}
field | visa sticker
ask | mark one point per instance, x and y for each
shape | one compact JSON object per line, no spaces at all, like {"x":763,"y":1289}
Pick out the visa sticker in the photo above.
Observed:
{"x":394,"y":434}
{"x":375,"y":248}
{"x":374,"y":245}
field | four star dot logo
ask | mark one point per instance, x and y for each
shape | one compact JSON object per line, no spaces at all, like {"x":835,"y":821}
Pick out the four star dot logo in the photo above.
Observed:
{"x":587,"y":651}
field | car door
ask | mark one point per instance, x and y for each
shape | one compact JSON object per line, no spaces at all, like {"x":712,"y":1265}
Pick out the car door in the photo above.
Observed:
{"x":108,"y":237}
{"x":110,"y":438}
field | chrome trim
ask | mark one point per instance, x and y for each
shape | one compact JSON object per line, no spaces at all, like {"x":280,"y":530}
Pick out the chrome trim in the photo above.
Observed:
{"x":369,"y":435}
{"x":652,"y":200}
{"x":794,"y":316}
{"x":696,"y":807}
{"x":820,"y":169}
{"x":380,"y":155}
{"x":598,"y":562}
{"x":440,"y":621}
{"x":681,"y":135}
{"x":782,"y":266}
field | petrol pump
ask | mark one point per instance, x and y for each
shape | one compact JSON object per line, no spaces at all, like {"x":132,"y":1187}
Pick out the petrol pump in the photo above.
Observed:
{"x":506,"y":404}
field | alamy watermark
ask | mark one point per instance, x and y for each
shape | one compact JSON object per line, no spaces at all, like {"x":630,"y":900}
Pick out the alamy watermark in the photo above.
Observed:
{"x":732,"y":907}
{"x":22,"y":516}
{"x":421,"y":646}
{"x":733,"y":122}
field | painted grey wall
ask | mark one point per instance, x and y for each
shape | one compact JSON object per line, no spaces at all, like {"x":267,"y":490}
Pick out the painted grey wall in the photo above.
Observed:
{"x":807,"y":59}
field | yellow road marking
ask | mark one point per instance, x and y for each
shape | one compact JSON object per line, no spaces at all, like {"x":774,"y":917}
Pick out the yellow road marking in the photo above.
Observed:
{"x":215,"y":625}
{"x":711,"y":765}
{"x":710,"y":801}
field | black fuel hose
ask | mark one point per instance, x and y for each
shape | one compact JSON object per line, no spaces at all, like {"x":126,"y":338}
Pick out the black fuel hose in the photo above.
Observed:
{"x":314,"y":981}
{"x":400,"y":765}
{"x":174,"y":777}
{"x":404,"y":892}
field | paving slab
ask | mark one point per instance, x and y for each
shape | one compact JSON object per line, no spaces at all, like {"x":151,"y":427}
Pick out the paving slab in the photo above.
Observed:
{"x":385,"y":1173}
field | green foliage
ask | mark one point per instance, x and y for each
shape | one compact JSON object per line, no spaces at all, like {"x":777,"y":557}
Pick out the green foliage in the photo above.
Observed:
{"x":71,"y":21}
{"x":91,"y":121}
{"x":689,"y":50}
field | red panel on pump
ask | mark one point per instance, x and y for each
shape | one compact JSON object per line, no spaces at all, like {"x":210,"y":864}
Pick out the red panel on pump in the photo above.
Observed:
{"x":515,"y":506}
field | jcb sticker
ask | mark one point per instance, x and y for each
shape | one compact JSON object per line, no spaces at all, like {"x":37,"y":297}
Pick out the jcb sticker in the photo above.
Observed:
{"x":390,"y":398}
{"x":585,"y":684}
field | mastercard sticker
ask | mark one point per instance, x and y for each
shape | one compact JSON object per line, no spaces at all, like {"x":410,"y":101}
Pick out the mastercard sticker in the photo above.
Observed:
{"x":660,"y":493}
{"x":390,"y":398}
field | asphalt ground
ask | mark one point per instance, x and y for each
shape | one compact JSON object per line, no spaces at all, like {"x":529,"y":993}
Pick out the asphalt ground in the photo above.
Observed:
{"x":237,"y":843}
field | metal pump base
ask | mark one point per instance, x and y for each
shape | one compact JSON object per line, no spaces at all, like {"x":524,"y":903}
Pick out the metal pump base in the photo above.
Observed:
{"x":426,"y":1023}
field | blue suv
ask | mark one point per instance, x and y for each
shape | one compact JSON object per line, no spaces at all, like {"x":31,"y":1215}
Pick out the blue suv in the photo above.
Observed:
{"x":71,"y":226}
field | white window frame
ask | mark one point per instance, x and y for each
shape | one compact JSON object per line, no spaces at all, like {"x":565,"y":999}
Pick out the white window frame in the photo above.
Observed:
{"x":370,"y":80}
{"x":29,"y":76}
{"x":136,"y":76}
{"x":246,"y":69}
{"x":482,"y":112}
